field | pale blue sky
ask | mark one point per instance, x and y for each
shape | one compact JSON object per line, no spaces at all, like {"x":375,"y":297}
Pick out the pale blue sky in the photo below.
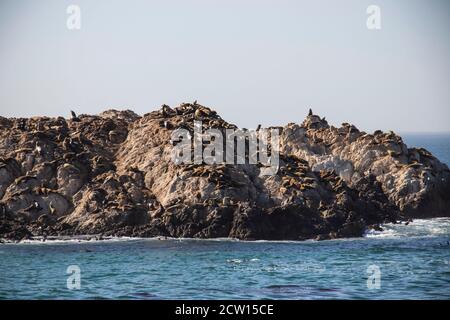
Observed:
{"x":253,"y":61}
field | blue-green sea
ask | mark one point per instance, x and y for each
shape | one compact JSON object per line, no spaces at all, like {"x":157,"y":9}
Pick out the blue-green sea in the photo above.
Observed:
{"x":401,"y":262}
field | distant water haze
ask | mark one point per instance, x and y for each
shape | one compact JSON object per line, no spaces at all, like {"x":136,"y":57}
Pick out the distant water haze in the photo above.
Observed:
{"x":255,"y":62}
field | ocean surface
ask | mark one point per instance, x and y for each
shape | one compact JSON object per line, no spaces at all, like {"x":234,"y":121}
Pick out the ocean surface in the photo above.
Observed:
{"x":401,"y":262}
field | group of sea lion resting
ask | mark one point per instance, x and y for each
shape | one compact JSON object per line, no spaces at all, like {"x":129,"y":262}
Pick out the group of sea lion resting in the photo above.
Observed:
{"x":112,"y":175}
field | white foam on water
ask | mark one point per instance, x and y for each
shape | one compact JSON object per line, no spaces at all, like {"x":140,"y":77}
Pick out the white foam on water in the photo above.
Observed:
{"x":71,"y":239}
{"x":237,"y":261}
{"x":417,"y":228}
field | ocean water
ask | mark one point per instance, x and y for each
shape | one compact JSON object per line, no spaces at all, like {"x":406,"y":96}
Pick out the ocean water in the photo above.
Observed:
{"x":413,"y":263}
{"x":401,"y":262}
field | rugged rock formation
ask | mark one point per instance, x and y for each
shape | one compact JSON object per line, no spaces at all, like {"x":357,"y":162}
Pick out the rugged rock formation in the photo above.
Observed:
{"x":112,"y":174}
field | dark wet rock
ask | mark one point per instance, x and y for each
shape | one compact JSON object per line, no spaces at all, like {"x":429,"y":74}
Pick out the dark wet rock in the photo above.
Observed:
{"x":111,"y":175}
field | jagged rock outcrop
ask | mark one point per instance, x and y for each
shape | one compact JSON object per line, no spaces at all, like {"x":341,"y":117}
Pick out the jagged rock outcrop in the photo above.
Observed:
{"x":413,"y":179}
{"x":112,"y":174}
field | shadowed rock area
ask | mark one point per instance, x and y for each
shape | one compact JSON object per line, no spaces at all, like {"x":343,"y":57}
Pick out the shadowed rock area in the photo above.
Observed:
{"x":112,"y":175}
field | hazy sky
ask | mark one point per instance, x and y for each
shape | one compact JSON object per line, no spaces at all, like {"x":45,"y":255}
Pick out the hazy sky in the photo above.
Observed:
{"x":253,"y":61}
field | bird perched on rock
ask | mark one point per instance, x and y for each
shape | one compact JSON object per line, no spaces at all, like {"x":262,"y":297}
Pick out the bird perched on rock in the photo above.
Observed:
{"x":198,"y":114}
{"x":74,"y":116}
{"x":310,"y":113}
{"x":166,"y":110}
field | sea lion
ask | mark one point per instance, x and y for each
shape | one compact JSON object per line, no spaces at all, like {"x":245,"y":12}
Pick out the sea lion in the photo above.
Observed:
{"x":394,"y":154}
{"x":321,"y":205}
{"x":69,"y":156}
{"x":414,"y":165}
{"x":167,"y":125}
{"x":39,"y":191}
{"x":38,"y":148}
{"x":24,"y":150}
{"x":198,"y":114}
{"x":67,"y":144}
{"x":226,"y":201}
{"x":305,"y":187}
{"x":19,"y":193}
{"x":425,"y":153}
{"x":25,"y":179}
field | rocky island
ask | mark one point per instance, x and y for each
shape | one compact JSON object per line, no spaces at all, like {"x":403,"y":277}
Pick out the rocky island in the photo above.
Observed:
{"x":111,"y":175}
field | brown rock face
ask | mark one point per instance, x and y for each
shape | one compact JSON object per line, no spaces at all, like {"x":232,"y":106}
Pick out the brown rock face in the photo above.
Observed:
{"x":112,"y":174}
{"x":412,"y":179}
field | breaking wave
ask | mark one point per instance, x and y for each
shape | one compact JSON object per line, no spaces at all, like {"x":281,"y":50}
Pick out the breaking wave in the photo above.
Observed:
{"x":417,"y":228}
